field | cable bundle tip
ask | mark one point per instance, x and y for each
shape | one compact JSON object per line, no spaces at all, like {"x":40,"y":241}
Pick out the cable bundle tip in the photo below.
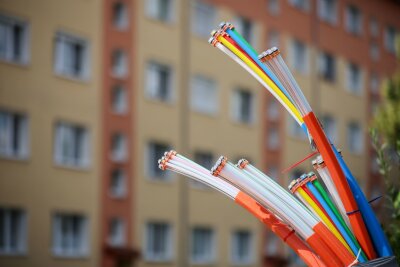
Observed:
{"x":242,"y":163}
{"x":219,"y":165}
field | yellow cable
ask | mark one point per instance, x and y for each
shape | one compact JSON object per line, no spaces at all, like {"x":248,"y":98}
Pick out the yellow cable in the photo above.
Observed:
{"x":325,"y":219}
{"x":262,"y":75}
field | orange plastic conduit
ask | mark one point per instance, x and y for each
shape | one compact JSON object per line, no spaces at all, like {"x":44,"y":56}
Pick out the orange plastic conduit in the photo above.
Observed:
{"x":286,"y":233}
{"x":349,"y":203}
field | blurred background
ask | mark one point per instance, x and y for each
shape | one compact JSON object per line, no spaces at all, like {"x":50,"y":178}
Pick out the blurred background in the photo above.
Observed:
{"x":92,"y":92}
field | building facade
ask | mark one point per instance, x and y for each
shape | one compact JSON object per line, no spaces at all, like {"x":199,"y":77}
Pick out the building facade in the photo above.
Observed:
{"x":92,"y":93}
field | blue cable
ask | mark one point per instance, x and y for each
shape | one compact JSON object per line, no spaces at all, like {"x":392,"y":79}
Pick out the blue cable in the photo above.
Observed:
{"x":378,"y":237}
{"x":253,"y":56}
{"x":335,"y":220}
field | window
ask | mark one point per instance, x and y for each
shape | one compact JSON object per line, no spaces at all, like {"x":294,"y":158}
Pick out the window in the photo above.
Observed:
{"x":353,"y":20}
{"x":159,"y":82}
{"x":273,"y":109}
{"x":273,"y":7}
{"x":374,"y":82}
{"x":327,"y":67}
{"x":13,"y":40}
{"x":241,"y":253}
{"x":12,"y":231}
{"x":301,"y":4}
{"x":120,"y":16}
{"x":70,"y":235}
{"x":155,"y":151}
{"x":390,"y":39}
{"x":327,"y":10}
{"x":71,"y":146}
{"x":13,"y":135}
{"x":119,"y":100}
{"x":273,"y":38}
{"x":204,"y":18}
{"x":118,"y":183}
{"x":354,"y":79}
{"x":374,"y":27}
{"x":71,"y":56}
{"x":273,"y":172}
{"x":205,"y":159}
{"x":245,"y":27}
{"x":119,"y":147}
{"x":271,"y":245}
{"x":119,"y":63}
{"x":273,"y":138}
{"x":355,"y":140}
{"x":299,"y":56}
{"x":116,"y":235}
{"x":202,"y":246}
{"x":374,"y":51}
{"x":204,"y":95}
{"x":243,"y":106}
{"x":158,"y":242}
{"x":329,"y":125}
{"x":160,"y":10}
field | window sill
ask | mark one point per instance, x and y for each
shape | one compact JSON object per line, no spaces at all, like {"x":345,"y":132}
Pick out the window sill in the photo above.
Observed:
{"x":72,"y":167}
{"x":117,"y":196}
{"x":71,"y":78}
{"x":14,"y":254}
{"x":202,"y":263}
{"x":168,"y":23}
{"x":18,"y":64}
{"x":212,"y":115}
{"x":158,"y":101}
{"x":159,"y":180}
{"x":23,"y":159}
{"x":70,"y":257}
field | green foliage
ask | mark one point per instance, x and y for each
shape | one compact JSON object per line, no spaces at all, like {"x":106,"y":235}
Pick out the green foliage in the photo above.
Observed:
{"x":386,"y":142}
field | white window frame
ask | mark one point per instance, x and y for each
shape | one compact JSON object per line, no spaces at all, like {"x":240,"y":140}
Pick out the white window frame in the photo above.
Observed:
{"x":330,"y":127}
{"x":236,"y":102}
{"x":119,"y":147}
{"x":80,"y":252}
{"x":161,"y":176}
{"x":389,"y":40}
{"x":374,"y":27}
{"x":234,"y":245}
{"x":204,"y":18}
{"x":327,"y":15}
{"x":323,"y":67}
{"x":357,"y":87}
{"x":119,"y":100}
{"x":7,"y":22}
{"x":117,"y":235}
{"x":168,"y":255}
{"x":273,"y":38}
{"x":374,"y":83}
{"x":274,"y":7}
{"x":302,"y":67}
{"x":303,"y":5}
{"x":120,"y":190}
{"x":273,"y":139}
{"x":153,"y":84}
{"x":356,"y":29}
{"x":204,"y":95}
{"x":22,"y":226}
{"x":152,"y":10}
{"x":120,"y":16}
{"x":66,"y":132}
{"x":119,"y":63}
{"x":374,"y":51}
{"x":7,"y":136}
{"x":355,"y":146}
{"x":62,"y":41}
{"x":206,"y":259}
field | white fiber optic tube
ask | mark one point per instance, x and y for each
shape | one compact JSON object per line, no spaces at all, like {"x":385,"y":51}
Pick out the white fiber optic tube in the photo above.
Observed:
{"x":235,"y":176}
{"x":279,"y":67}
{"x":269,"y":184}
{"x":326,"y":178}
{"x":249,"y":70}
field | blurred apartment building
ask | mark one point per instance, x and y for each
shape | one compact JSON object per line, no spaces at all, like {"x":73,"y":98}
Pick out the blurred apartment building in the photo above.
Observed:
{"x":93,"y":92}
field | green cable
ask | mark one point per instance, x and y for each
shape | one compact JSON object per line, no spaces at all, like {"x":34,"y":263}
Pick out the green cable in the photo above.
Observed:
{"x":325,"y":196}
{"x":244,"y":41}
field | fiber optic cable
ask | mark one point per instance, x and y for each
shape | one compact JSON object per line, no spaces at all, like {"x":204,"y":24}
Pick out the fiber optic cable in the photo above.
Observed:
{"x":300,"y":220}
{"x":329,"y":202}
{"x":353,"y":246}
{"x":324,"y":147}
{"x":179,"y":164}
{"x":381,"y":244}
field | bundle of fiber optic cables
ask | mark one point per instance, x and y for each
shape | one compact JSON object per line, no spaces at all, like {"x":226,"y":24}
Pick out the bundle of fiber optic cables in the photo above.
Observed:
{"x":325,"y":219}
